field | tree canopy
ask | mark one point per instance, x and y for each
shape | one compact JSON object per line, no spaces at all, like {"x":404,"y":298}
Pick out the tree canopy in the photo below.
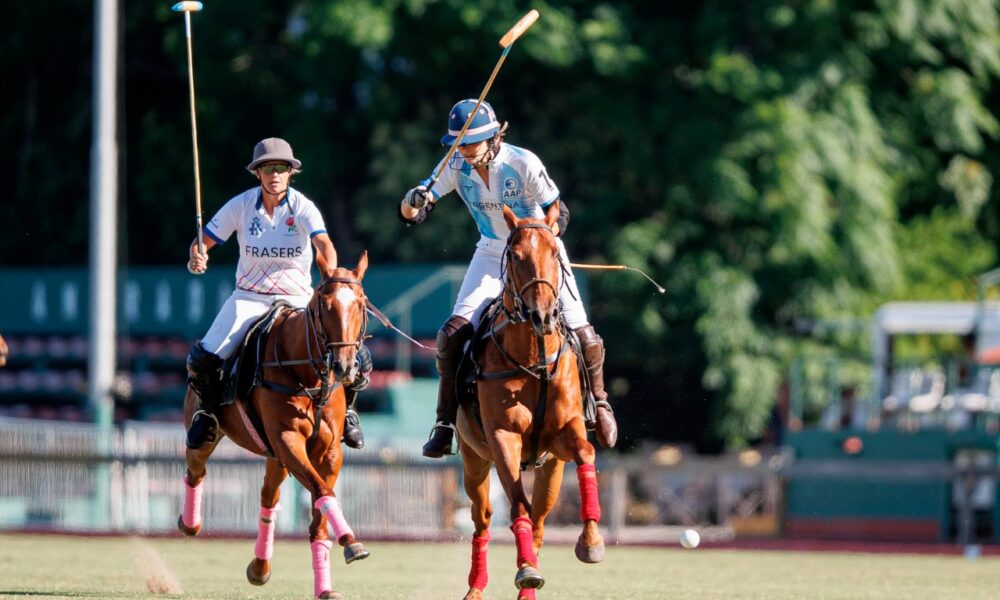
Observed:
{"x":769,"y":162}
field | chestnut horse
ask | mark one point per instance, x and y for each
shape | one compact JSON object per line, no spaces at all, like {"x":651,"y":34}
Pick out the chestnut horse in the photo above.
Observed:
{"x":302,"y":426}
{"x":529,"y":394}
{"x":3,"y":351}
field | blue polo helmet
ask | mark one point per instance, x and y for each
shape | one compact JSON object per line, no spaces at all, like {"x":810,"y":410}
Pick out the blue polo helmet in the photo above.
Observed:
{"x":484,"y":124}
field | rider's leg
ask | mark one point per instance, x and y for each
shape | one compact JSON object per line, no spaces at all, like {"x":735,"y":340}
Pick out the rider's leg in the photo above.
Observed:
{"x":450,"y":342}
{"x":593,"y":355}
{"x":205,"y":362}
{"x":353,"y":436}
{"x":204,"y":370}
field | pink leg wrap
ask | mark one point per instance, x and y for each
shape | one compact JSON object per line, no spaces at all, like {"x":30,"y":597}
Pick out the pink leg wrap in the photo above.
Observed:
{"x":321,"y":566}
{"x":590,"y":505}
{"x":330,"y":508}
{"x":478,"y":575}
{"x":265,"y":533}
{"x":192,"y":504}
{"x":523,"y":538}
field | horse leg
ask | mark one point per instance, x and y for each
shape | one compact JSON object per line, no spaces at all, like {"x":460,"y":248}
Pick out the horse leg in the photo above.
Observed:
{"x":189,"y":522}
{"x":328,"y":467}
{"x":590,"y":545}
{"x":544,"y":494}
{"x":506,"y":446}
{"x":259,"y":569}
{"x":477,"y":488}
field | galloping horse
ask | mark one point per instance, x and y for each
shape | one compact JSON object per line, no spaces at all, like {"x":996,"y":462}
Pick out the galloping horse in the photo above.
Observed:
{"x":529,"y":394}
{"x":302,"y":417}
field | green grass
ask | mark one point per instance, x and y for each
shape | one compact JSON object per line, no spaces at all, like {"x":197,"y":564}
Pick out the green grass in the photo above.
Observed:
{"x":81,"y":567}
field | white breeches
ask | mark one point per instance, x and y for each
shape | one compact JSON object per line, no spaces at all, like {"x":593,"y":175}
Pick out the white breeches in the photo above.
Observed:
{"x":482,"y":284}
{"x":236,"y":316}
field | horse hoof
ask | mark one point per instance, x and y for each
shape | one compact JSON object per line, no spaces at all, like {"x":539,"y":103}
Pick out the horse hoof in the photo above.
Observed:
{"x":589,"y":554}
{"x":331,"y":595}
{"x":254,"y":579}
{"x":190,"y":531}
{"x":355,"y":551}
{"x":528,"y":577}
{"x":473,"y":594}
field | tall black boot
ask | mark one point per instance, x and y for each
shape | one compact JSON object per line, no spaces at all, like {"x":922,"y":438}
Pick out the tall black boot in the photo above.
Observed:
{"x":605,"y":427}
{"x":450,"y":343}
{"x":353,"y":436}
{"x":205,"y":378}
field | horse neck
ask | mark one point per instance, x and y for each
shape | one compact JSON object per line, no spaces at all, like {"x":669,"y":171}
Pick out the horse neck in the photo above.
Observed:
{"x":521,"y":341}
{"x":289,"y":339}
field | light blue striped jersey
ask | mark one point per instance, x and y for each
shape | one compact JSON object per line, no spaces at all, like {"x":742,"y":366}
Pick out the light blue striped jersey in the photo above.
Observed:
{"x":517,"y":178}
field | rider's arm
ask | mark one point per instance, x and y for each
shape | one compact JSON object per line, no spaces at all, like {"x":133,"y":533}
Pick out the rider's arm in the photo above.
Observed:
{"x":326,"y":255}
{"x":198,"y":263}
{"x":412,"y":215}
{"x":563,"y":220}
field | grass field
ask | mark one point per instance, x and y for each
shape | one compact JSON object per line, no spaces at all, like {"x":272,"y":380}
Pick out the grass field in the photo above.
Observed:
{"x":84,"y":567}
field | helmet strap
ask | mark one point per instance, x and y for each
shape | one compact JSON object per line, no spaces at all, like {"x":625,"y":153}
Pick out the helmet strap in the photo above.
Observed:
{"x":493,"y":148}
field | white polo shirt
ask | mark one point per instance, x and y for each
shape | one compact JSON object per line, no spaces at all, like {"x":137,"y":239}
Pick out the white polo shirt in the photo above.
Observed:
{"x":517,"y":179}
{"x":276,"y":253}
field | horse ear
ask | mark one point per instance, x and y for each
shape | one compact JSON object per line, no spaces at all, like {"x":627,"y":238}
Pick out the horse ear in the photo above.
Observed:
{"x":552,"y":214}
{"x":508,"y":215}
{"x":359,"y":272}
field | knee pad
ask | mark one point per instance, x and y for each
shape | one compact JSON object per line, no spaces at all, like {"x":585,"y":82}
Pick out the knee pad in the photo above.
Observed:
{"x":450,"y":341}
{"x":591,"y":344}
{"x":204,"y":369}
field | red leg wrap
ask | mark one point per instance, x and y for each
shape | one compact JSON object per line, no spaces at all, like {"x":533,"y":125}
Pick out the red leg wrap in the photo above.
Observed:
{"x":590,"y":505}
{"x":526,"y":594}
{"x":523,"y":537}
{"x":478,"y":575}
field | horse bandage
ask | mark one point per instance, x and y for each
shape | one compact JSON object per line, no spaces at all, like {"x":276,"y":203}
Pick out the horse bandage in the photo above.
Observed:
{"x":478,"y":574}
{"x":192,"y":504}
{"x":264,"y":548}
{"x":330,"y":507}
{"x":524,"y":531}
{"x":321,"y":566}
{"x":590,"y":504}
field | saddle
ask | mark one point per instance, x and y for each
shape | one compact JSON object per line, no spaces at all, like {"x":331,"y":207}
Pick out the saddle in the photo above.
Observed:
{"x":241,"y":371}
{"x":470,"y":367}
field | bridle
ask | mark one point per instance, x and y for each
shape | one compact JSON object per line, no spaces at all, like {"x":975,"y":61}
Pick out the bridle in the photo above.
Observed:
{"x":519,"y":314}
{"x":321,"y":360}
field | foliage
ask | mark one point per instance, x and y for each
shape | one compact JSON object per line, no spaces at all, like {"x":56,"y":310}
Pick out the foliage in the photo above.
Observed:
{"x":772,"y":163}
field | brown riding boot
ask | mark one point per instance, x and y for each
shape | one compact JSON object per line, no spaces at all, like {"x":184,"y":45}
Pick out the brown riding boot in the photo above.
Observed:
{"x":605,"y":429}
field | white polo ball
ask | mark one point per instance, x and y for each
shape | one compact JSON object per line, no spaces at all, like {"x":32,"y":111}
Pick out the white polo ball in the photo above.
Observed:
{"x":690,"y":538}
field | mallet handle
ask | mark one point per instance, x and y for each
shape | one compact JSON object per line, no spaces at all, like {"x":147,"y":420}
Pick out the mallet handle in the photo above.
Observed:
{"x":515,"y":32}
{"x":194,"y":130}
{"x":599,"y":267}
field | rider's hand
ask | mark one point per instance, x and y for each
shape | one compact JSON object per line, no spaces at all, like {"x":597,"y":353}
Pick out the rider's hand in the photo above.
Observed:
{"x":198,"y":263}
{"x":417,"y":198}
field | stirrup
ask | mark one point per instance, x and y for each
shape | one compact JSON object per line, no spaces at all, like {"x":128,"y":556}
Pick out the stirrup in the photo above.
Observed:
{"x":353,"y":436}
{"x":431,"y":452}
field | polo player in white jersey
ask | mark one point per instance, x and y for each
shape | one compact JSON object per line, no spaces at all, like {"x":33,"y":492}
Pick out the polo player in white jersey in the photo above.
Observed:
{"x":274,"y":225}
{"x":488,"y":174}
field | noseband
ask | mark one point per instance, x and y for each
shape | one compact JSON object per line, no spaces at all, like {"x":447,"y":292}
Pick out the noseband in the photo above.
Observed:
{"x":520,"y":312}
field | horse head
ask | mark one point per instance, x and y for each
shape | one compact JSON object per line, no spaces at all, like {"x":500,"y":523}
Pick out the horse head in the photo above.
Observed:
{"x":533,"y":271}
{"x":339,"y":308}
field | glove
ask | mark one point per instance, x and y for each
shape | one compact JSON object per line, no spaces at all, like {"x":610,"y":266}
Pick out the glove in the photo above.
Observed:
{"x":417,"y":198}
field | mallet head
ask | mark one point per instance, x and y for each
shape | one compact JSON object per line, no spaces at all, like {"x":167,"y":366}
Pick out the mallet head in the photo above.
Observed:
{"x":187,"y":6}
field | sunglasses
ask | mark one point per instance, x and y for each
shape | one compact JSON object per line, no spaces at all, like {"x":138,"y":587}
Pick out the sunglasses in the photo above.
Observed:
{"x":269,"y":169}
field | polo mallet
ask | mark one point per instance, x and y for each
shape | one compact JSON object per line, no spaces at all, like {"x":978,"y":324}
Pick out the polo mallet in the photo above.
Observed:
{"x":659,"y":287}
{"x":505,"y":42}
{"x":187,"y":8}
